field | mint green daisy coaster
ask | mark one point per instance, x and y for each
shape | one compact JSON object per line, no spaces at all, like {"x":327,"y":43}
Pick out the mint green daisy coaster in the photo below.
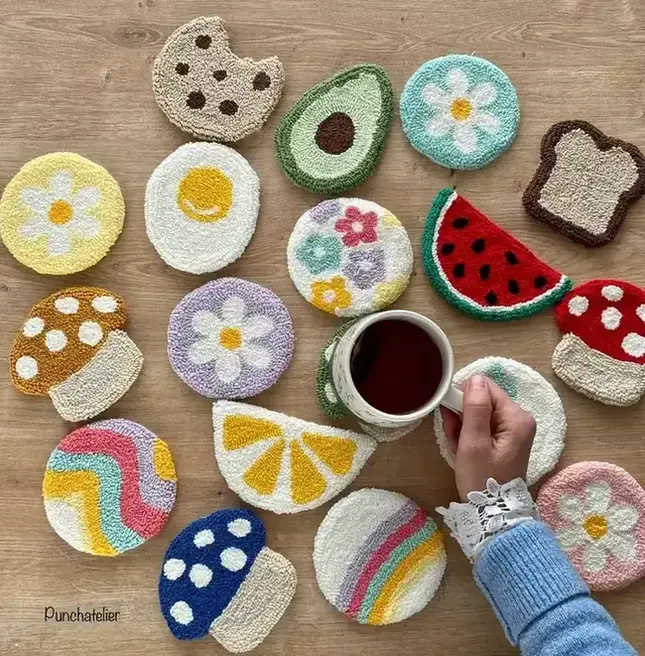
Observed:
{"x":460,"y":111}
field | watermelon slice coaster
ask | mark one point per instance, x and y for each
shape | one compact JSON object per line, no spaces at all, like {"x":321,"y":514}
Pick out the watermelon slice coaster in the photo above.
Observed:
{"x":482,"y":269}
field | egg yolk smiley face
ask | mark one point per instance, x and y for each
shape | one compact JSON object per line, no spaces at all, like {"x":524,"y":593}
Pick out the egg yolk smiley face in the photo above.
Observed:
{"x":205,"y":194}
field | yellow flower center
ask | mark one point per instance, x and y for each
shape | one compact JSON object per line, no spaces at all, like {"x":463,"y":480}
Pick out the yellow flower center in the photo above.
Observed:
{"x":60,"y":212}
{"x":231,"y":338}
{"x":596,"y":526}
{"x":461,"y":109}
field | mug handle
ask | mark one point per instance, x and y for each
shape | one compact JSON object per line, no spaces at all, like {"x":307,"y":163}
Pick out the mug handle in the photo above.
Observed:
{"x":454,"y":399}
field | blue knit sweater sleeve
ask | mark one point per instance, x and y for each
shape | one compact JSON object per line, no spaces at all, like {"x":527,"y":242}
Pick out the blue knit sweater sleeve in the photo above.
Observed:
{"x":541,"y":601}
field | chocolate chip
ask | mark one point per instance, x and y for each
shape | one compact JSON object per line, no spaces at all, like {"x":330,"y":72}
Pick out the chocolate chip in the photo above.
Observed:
{"x":219,"y":75}
{"x":182,"y":69}
{"x":196,"y":100}
{"x":228,"y":107}
{"x":335,"y":134}
{"x":447,"y":249}
{"x":261,"y":81}
{"x":491,"y":298}
{"x":539,"y":282}
{"x":484,"y":271}
{"x":203,"y":41}
{"x":513,"y":286}
{"x":460,"y":270}
{"x":478,"y":245}
{"x":511,"y":258}
{"x":460,"y":223}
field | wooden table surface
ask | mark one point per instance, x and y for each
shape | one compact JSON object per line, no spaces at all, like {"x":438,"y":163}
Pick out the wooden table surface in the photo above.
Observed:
{"x":76,"y":76}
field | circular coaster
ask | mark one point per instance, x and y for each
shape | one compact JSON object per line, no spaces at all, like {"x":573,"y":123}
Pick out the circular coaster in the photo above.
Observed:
{"x":109,"y":487}
{"x":460,"y":111}
{"x":378,"y":557}
{"x":597,"y":511}
{"x":61,"y":213}
{"x":230,"y":339}
{"x":531,"y":391}
{"x":349,"y":257}
{"x":202,"y":203}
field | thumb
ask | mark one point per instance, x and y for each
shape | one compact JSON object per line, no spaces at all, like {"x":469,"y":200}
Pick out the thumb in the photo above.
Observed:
{"x":478,"y":408}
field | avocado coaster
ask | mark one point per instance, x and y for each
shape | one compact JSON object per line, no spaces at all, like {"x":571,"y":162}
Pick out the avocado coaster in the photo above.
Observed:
{"x":202,"y":204}
{"x":585,"y":183}
{"x":61,"y":213}
{"x":230,"y":339}
{"x":530,"y":391}
{"x":378,"y":557}
{"x":109,"y":487}
{"x":72,"y":348}
{"x":349,"y":257}
{"x":460,"y":111}
{"x":219,"y":577}
{"x":602,"y":350}
{"x":281,"y":463}
{"x":597,"y":511}
{"x":206,"y":90}
{"x":482,"y":269}
{"x":333,"y":137}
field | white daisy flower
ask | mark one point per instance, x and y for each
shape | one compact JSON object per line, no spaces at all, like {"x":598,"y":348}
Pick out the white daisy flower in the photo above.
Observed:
{"x":59,"y":214}
{"x":458,"y":111}
{"x":601,"y":528}
{"x":228,"y":339}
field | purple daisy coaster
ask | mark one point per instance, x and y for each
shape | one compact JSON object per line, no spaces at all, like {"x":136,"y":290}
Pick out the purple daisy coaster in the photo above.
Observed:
{"x":230,"y":339}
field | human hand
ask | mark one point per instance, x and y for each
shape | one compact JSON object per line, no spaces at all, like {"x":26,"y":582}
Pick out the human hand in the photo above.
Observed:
{"x":493,"y":438}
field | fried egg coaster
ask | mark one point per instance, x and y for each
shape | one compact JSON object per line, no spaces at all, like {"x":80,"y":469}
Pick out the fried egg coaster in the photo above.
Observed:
{"x":378,"y":557}
{"x":73,"y":348}
{"x":109,"y":487}
{"x":349,"y":257}
{"x":460,"y":111}
{"x":597,"y":511}
{"x":282,"y":463}
{"x":202,"y":204}
{"x":531,"y":392}
{"x":61,"y":213}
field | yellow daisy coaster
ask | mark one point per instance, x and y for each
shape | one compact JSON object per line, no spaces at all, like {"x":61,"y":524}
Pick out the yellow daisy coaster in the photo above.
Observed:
{"x":61,"y":213}
{"x":282,"y":463}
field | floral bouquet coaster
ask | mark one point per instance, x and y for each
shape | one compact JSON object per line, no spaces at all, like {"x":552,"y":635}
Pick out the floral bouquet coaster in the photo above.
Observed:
{"x":460,"y":111}
{"x":597,"y":511}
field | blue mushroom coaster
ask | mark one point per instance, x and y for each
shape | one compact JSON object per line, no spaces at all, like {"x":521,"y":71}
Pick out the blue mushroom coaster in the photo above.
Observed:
{"x":219,"y":577}
{"x":460,"y":111}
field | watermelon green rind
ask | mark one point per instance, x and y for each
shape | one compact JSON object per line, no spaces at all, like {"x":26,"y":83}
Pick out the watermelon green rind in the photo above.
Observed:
{"x":442,"y":202}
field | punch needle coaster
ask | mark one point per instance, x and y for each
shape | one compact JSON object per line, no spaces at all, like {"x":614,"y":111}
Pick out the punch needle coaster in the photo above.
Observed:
{"x":230,"y":339}
{"x":597,"y":511}
{"x":602,"y":350}
{"x":109,"y":487}
{"x":482,"y":269}
{"x":349,"y":257}
{"x":61,"y":213}
{"x":333,"y":137}
{"x":378,"y":557}
{"x":531,"y":392}
{"x":73,"y":348}
{"x":202,"y":204}
{"x":206,"y":90}
{"x":219,"y":577}
{"x":281,"y":463}
{"x":460,"y":111}
{"x":585,"y":183}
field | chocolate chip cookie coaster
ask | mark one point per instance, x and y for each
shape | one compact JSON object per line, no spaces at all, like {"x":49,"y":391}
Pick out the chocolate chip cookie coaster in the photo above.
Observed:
{"x":378,"y":557}
{"x":72,"y":348}
{"x":597,"y":511}
{"x":109,"y":487}
{"x":460,"y":111}
{"x":206,"y":90}
{"x":333,"y":137}
{"x":585,"y":183}
{"x":534,"y":394}
{"x":202,"y":204}
{"x":219,"y":577}
{"x":281,"y":463}
{"x":61,"y":213}
{"x":349,"y":257}
{"x":482,"y":269}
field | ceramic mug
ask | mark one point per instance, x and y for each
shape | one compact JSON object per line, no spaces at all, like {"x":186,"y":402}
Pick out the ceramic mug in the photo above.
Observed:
{"x":446,"y":394}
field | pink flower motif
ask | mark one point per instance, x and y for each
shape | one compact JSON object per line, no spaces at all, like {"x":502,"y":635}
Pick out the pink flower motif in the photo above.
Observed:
{"x":357,"y":227}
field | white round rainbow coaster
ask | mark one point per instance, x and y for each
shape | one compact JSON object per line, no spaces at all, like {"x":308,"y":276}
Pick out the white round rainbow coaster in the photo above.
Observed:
{"x":378,"y":557}
{"x":202,"y":204}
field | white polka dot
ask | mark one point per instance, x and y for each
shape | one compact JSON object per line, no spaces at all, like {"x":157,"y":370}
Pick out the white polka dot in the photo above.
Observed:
{"x":611,"y":317}
{"x":104,"y":304}
{"x":578,"y":305}
{"x":233,"y":559}
{"x":204,"y":538}
{"x":90,"y":333}
{"x":173,"y":568}
{"x":181,"y":612}
{"x":33,"y":327}
{"x":240,"y":527}
{"x":200,"y":575}
{"x":66,"y":305}
{"x":330,"y":393}
{"x":634,"y":345}
{"x":612,"y":292}
{"x":26,"y":367}
{"x":640,"y":311}
{"x":55,"y":340}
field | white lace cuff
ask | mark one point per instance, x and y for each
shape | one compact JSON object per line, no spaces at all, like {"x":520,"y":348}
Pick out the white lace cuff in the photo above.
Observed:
{"x":487,"y":513}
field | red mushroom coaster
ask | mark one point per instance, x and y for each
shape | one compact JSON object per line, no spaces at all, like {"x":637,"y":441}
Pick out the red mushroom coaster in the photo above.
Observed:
{"x":602,"y":351}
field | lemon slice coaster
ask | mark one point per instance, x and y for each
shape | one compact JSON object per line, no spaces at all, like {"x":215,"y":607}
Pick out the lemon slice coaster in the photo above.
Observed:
{"x":282,"y":463}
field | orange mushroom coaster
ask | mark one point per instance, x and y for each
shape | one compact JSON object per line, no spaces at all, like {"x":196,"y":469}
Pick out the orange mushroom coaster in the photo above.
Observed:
{"x":282,"y":463}
{"x":602,"y":351}
{"x":73,"y":348}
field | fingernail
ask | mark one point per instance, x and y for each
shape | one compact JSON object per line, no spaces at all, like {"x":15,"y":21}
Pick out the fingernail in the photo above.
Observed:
{"x":475,"y":382}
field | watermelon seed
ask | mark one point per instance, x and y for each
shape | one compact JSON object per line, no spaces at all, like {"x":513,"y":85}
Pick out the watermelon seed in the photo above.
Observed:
{"x":511,"y":258}
{"x":478,"y":245}
{"x":491,"y":298}
{"x":446,"y":249}
{"x":460,"y":223}
{"x":539,"y":282}
{"x":459,"y":270}
{"x":513,"y":287}
{"x":484,"y":271}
